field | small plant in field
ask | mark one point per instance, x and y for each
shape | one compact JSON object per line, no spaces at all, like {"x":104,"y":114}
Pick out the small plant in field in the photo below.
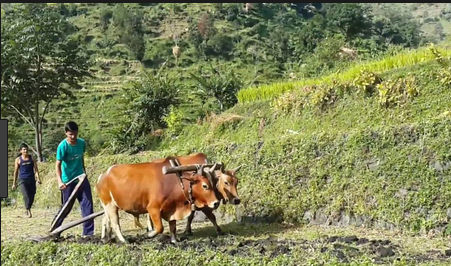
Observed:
{"x":324,"y":97}
{"x":366,"y":82}
{"x":442,"y":60}
{"x":174,"y":121}
{"x":444,"y":74}
{"x":293,"y":102}
{"x":397,"y":92}
{"x":225,"y":120}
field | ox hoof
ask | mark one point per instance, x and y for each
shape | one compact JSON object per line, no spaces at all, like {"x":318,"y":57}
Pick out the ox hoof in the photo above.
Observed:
{"x":220,"y":233}
{"x":106,"y":240}
{"x":125,"y":242}
{"x":188,"y":233}
{"x":152,"y":234}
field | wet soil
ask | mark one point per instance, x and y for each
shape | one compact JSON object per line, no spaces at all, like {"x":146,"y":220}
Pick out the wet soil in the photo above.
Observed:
{"x":344,"y":248}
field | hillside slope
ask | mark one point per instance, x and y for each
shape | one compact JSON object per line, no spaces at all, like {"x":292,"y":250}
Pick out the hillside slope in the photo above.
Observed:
{"x":249,"y":43}
{"x":352,"y":161}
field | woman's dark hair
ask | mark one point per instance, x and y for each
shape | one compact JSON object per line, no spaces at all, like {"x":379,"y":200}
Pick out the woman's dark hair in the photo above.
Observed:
{"x":23,"y":145}
{"x":71,"y":126}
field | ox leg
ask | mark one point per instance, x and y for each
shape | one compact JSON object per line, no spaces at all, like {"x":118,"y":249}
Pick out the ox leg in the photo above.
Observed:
{"x":114,"y":219}
{"x":106,"y":225}
{"x":156,"y":219}
{"x":149,"y":224}
{"x":188,"y":224}
{"x":212,"y":218}
{"x":173,"y":229}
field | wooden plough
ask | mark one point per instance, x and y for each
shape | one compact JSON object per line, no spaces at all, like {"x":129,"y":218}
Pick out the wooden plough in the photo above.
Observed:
{"x":67,"y":207}
{"x":64,"y":211}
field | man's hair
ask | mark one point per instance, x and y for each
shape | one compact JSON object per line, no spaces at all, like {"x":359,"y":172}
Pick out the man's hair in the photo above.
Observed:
{"x":71,"y":126}
{"x":23,"y":145}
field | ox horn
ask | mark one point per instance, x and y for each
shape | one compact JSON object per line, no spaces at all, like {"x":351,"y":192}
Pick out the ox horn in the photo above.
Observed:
{"x":221,"y":167}
{"x":237,"y":169}
{"x":210,"y":173}
{"x":212,"y":170}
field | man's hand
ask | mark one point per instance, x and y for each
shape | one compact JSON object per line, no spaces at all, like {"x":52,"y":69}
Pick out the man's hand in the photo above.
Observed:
{"x":61,"y":185}
{"x":14,"y":187}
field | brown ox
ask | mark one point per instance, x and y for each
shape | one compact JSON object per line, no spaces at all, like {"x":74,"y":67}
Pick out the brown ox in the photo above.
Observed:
{"x":142,"y":188}
{"x":225,"y":184}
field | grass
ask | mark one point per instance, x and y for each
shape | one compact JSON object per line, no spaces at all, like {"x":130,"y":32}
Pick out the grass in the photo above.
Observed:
{"x":401,"y":60}
{"x":243,"y":244}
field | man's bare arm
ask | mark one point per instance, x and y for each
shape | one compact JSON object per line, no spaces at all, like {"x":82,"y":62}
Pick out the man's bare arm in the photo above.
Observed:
{"x":58,"y":175}
{"x":36,"y":172}
{"x":16,"y":173}
{"x":83,"y":161}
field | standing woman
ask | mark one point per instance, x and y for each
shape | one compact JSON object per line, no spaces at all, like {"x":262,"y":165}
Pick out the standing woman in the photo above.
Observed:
{"x":27,"y":170}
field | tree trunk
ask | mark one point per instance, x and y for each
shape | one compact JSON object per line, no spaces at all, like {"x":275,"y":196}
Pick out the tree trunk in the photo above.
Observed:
{"x":38,"y":139}
{"x":38,"y":132}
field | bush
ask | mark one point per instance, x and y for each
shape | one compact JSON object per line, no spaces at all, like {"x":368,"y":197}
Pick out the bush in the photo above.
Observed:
{"x":397,"y":92}
{"x":366,"y":82}
{"x":221,"y":83}
{"x":174,"y":121}
{"x":146,"y":104}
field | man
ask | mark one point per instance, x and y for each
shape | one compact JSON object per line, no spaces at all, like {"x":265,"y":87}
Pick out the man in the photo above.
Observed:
{"x":26,"y":169}
{"x":69,"y":165}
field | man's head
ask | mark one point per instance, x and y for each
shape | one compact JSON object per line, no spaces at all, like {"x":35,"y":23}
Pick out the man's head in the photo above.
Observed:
{"x":23,"y":149}
{"x":71,"y":129}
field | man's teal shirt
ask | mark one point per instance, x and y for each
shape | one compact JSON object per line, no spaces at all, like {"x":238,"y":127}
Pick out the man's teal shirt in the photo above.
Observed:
{"x":71,"y":157}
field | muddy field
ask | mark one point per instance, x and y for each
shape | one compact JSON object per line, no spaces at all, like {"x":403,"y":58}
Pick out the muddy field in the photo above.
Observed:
{"x":242,"y":243}
{"x":344,"y":248}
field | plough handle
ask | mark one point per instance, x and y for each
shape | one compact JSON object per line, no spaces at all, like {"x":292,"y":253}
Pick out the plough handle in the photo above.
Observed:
{"x":64,"y":227}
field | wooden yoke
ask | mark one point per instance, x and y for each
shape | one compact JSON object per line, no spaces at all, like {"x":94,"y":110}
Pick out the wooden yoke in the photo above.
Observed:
{"x":176,"y":164}
{"x":183,"y":168}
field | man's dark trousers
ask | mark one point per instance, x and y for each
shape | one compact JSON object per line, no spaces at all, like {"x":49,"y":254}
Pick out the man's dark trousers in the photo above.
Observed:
{"x":84,"y":196}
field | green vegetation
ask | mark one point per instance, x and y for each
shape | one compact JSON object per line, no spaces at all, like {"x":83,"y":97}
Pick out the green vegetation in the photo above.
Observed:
{"x":40,"y":62}
{"x":339,"y":113}
{"x":260,"y":43}
{"x":243,"y":244}
{"x":404,"y":59}
{"x":387,"y":167}
{"x":360,"y":133}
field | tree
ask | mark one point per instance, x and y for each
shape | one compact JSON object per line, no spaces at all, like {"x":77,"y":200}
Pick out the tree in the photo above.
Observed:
{"x":350,"y":19}
{"x":128,"y":23}
{"x":398,"y":28}
{"x":105,"y":16}
{"x":146,"y":104}
{"x":40,"y":62}
{"x":222,"y":84}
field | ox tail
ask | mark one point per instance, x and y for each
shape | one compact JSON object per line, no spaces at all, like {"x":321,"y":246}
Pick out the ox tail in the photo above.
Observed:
{"x":138,"y":223}
{"x":99,"y":178}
